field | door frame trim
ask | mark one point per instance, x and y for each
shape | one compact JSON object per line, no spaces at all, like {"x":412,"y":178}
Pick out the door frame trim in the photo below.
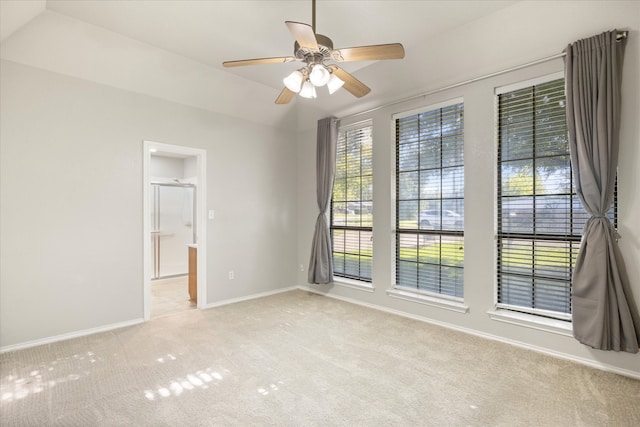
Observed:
{"x":201,"y":226}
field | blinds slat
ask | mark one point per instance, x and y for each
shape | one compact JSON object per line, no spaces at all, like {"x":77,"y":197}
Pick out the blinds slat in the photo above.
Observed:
{"x":352,"y":206}
{"x":430,"y":204}
{"x":540,"y":218}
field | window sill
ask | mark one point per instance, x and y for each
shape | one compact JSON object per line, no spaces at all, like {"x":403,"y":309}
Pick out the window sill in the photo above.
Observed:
{"x":531,"y":321}
{"x":354,"y":284}
{"x":446,"y":304}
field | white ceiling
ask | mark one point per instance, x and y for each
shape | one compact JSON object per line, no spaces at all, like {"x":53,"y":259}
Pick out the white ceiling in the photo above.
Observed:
{"x":15,"y":14}
{"x":213,"y":31}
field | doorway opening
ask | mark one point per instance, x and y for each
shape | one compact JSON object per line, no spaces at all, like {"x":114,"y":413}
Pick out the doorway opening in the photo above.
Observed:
{"x":174,"y":229}
{"x":173,"y":222}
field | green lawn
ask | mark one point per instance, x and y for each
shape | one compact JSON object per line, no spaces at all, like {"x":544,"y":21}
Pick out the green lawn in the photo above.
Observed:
{"x":364,"y":220}
{"x":451,"y":254}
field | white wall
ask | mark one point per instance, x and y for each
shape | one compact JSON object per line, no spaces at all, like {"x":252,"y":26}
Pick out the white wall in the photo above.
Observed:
{"x":516,"y":35}
{"x":65,"y":45}
{"x":71,"y":201}
{"x":190,"y":167}
{"x":166,"y":167}
{"x":71,"y":167}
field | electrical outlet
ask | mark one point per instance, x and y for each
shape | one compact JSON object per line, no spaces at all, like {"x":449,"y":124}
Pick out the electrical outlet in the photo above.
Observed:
{"x":301,"y":267}
{"x":231,"y":275}
{"x":212,"y":214}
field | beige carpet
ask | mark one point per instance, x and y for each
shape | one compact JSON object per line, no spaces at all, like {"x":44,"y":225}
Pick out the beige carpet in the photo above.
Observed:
{"x":299,"y":359}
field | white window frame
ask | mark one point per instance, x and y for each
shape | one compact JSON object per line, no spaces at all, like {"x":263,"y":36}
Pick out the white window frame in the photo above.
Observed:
{"x":347,"y":281}
{"x":432,"y":299}
{"x":549,"y":321}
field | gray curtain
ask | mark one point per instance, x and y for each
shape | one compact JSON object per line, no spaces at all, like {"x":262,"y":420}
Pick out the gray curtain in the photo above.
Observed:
{"x":321,"y":263}
{"x":604,"y":314}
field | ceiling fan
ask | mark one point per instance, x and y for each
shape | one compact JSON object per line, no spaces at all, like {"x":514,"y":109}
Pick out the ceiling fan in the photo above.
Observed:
{"x":316,"y":51}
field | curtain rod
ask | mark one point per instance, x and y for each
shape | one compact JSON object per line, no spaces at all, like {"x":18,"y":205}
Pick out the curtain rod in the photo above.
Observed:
{"x":619,"y":36}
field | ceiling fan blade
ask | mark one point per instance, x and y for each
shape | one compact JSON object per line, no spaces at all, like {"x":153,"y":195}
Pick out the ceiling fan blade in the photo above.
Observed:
{"x":256,"y":61}
{"x":285,"y":96}
{"x":304,"y":35}
{"x":351,"y":84}
{"x":369,"y":53}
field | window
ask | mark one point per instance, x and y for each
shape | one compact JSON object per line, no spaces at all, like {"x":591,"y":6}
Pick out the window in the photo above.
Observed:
{"x":351,"y":204}
{"x":540,"y":217}
{"x":430,"y":200}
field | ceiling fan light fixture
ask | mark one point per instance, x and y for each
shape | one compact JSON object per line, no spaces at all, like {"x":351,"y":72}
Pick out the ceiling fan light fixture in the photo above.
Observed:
{"x":308,"y":90}
{"x":293,"y":81}
{"x":334,"y":84}
{"x":319,"y":75}
{"x":316,"y":52}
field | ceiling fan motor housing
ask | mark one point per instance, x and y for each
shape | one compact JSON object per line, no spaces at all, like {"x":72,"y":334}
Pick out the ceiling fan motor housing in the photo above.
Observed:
{"x":325,"y":46}
{"x":315,"y":50}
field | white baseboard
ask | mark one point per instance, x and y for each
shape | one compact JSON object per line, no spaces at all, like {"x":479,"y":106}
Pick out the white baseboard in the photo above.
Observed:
{"x":84,"y":332}
{"x":560,"y":355}
{"x":76,"y":334}
{"x":249,"y":297}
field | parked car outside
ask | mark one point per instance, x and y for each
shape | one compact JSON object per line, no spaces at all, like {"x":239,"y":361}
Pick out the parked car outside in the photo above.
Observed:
{"x":434,"y":219}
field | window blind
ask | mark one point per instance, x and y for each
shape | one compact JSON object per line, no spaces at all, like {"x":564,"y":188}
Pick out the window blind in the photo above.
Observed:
{"x":352,"y":204}
{"x":539,"y":216}
{"x":430,"y":201}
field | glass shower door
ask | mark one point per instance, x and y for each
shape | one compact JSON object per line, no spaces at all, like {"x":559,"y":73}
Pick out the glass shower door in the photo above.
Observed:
{"x":173,"y":228}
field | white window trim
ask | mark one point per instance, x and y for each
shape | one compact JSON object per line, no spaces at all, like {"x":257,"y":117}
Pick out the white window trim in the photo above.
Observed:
{"x":528,"y":83}
{"x":502,"y":314}
{"x":433,"y":300}
{"x":353,"y":284}
{"x":532,"y":321}
{"x":344,"y":281}
{"x":424,"y":109}
{"x":356,"y":125}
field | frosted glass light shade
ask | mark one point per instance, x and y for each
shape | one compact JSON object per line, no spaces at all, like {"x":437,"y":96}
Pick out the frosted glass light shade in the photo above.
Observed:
{"x":308,"y":90}
{"x":319,"y":75}
{"x":334,"y":84}
{"x":293,"y":81}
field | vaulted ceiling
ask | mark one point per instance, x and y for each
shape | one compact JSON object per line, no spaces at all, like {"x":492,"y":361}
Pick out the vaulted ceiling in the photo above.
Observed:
{"x":211,"y":32}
